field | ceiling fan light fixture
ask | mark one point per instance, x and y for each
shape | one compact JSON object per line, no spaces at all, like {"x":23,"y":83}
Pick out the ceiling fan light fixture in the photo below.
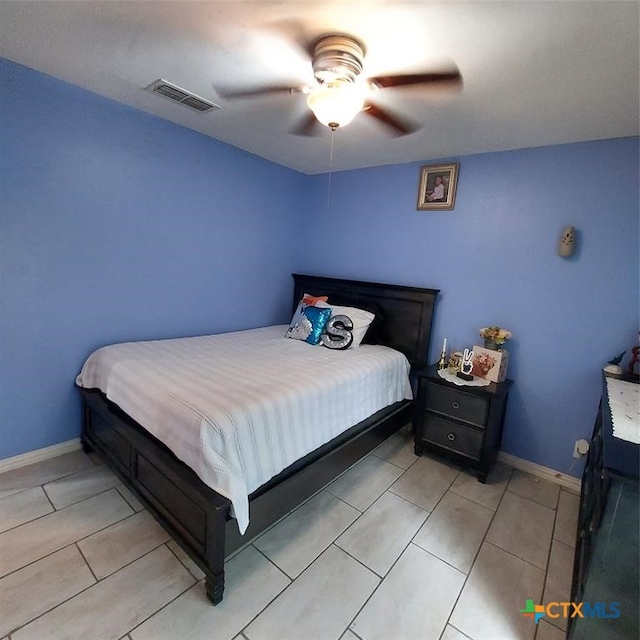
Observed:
{"x":336,"y":105}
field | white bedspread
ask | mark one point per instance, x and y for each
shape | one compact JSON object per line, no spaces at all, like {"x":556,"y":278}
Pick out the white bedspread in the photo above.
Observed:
{"x":240,"y":407}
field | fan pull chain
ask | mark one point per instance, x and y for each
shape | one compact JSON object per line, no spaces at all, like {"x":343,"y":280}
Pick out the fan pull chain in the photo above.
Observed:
{"x":330,"y":170}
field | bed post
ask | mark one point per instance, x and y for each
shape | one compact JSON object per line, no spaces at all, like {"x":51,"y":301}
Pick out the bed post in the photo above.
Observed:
{"x":215,"y":552}
{"x":214,"y":586}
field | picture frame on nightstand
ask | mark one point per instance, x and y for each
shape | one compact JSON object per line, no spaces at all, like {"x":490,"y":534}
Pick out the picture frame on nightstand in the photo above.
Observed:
{"x":490,"y":364}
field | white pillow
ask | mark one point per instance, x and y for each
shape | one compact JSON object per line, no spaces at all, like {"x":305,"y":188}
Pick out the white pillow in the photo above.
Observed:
{"x":361,"y":320}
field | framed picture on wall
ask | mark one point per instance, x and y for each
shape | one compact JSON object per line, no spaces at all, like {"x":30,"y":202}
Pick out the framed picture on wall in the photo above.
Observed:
{"x":437,"y":190}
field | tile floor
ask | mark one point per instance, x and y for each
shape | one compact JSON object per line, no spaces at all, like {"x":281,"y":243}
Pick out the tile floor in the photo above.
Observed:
{"x":398,"y":547}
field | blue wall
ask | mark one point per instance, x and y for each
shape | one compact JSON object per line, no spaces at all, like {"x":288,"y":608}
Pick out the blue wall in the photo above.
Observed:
{"x":116,"y":225}
{"x":494,"y":259}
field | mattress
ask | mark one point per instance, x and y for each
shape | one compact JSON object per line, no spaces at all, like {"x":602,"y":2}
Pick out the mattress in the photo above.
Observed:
{"x":240,"y":407}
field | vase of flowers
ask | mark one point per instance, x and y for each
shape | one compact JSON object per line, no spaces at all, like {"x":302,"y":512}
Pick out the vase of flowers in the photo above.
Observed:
{"x":494,"y":337}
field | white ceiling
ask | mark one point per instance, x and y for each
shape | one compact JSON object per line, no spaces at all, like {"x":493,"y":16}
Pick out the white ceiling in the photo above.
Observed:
{"x":535,"y":73}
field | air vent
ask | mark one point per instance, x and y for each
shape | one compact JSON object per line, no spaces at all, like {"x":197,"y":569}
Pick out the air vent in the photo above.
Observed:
{"x":177,"y":94}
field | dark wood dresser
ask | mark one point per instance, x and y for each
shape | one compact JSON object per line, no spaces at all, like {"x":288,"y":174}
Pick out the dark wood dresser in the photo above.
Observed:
{"x":461,"y":422}
{"x":606,"y":572}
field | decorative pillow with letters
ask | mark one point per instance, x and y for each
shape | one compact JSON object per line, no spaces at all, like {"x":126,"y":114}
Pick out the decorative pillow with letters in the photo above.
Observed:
{"x":337,"y":333}
{"x":360,"y":319}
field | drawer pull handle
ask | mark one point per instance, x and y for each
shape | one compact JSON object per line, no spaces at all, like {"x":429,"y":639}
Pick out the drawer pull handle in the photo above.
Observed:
{"x":455,"y":405}
{"x":452,"y":436}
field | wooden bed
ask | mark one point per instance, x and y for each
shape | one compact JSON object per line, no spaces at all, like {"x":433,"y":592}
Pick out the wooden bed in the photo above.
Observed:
{"x":196,"y":516}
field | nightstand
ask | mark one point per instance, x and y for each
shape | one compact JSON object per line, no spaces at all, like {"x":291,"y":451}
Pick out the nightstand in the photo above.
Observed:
{"x":461,"y":422}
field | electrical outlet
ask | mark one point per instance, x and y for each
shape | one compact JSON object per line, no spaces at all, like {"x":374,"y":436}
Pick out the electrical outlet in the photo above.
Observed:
{"x":580,"y":448}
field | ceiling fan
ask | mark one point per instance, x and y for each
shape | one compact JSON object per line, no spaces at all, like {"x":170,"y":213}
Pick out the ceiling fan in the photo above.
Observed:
{"x":341,"y":91}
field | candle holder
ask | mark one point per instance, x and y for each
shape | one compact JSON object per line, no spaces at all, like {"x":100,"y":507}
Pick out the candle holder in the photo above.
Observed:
{"x":442,"y":363}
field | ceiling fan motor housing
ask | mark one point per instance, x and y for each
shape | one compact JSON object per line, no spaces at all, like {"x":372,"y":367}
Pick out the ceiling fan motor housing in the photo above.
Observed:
{"x":337,"y":59}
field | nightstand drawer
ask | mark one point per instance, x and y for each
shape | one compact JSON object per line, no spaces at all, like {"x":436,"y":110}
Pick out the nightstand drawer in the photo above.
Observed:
{"x":457,"y":404}
{"x":453,"y":436}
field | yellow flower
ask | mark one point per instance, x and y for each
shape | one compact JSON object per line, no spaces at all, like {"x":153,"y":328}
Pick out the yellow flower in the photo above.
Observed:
{"x":495,"y":334}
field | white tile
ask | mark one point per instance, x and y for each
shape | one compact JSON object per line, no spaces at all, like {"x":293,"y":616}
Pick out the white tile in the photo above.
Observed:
{"x":36,"y":539}
{"x":383,"y":531}
{"x":524,"y":528}
{"x":113,"y":606}
{"x":413,"y":601}
{"x":135,"y":504}
{"x":251,"y":582}
{"x":23,"y":507}
{"x":451,"y":633}
{"x":182,"y":555}
{"x":299,"y":612}
{"x":398,"y":449}
{"x":454,"y":531}
{"x":41,"y":472}
{"x":295,"y":542}
{"x":557,"y":586}
{"x":536,"y":489}
{"x":567,"y":519}
{"x":497,"y":589}
{"x":487,"y":494}
{"x":33,"y":590}
{"x":559,"y":573}
{"x":123,"y":542}
{"x":80,"y":486}
{"x":425,"y":482}
{"x":365,"y":482}
{"x":547,"y":631}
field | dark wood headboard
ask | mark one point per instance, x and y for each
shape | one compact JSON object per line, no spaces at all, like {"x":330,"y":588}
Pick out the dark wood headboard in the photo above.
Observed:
{"x":406,"y":312}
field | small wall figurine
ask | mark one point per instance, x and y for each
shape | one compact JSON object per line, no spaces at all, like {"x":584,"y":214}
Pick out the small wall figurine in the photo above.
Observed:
{"x":567,"y":242}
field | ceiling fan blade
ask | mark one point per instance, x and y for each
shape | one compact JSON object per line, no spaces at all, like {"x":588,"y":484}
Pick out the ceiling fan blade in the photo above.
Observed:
{"x":293,"y":31}
{"x":400,"y":126}
{"x":307,"y":126}
{"x":259,"y":91}
{"x":451,"y":79}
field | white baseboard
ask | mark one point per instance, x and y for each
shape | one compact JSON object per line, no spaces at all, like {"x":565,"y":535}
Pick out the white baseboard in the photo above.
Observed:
{"x":39,"y":455}
{"x":544,"y":473}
